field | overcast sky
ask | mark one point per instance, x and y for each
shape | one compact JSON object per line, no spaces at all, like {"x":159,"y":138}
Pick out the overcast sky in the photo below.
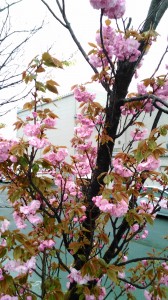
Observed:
{"x":85,"y":22}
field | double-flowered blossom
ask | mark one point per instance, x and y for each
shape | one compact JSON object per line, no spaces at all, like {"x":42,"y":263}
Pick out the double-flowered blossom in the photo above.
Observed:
{"x":49,"y":122}
{"x":85,"y":128}
{"x":68,"y":186}
{"x":99,"y":4}
{"x":116,"y":45}
{"x":150,"y":164}
{"x":81,"y":95}
{"x":117,"y":11}
{"x":8,"y":297}
{"x":114,"y":9}
{"x":5,"y":146}
{"x":56,"y":157}
{"x":4,"y":225}
{"x":31,"y":208}
{"x":115,"y":210}
{"x":162,"y":91}
{"x":32,"y":129}
{"x":139,"y":134}
{"x":21,"y":267}
{"x":28,"y":212}
{"x":75,"y":276}
{"x":38,"y":143}
{"x":46,"y":244}
{"x":120,"y":169}
{"x":150,"y":296}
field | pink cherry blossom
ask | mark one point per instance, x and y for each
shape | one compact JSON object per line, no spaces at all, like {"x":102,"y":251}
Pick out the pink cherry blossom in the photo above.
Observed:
{"x":38,"y":143}
{"x":139,"y":134}
{"x":31,"y":208}
{"x":18,"y":220}
{"x":7,"y":297}
{"x":34,"y":113}
{"x":162,"y":91}
{"x":90,"y":297}
{"x":46,"y":244}
{"x":4,"y":225}
{"x":150,"y":296}
{"x":32,"y":129}
{"x":83,"y":132}
{"x":127,"y":111}
{"x":146,"y":207}
{"x":5,"y":146}
{"x":13,"y":158}
{"x":81,"y":95}
{"x":120,"y":169}
{"x":34,"y":219}
{"x":56,"y":157}
{"x":164,"y":280}
{"x":109,"y":36}
{"x":119,"y":209}
{"x":134,"y":227}
{"x":142,"y":90}
{"x":50,"y":122}
{"x":148,"y":107}
{"x":116,"y":210}
{"x":99,"y":4}
{"x":150,"y":164}
{"x":126,"y":49}
{"x":117,"y":11}
{"x":129,"y":287}
{"x":19,"y":266}
{"x":144,"y":234}
{"x":76,"y":276}
{"x":1,"y":275}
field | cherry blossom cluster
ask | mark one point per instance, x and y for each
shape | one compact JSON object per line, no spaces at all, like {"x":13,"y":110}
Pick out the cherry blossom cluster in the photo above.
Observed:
{"x":46,"y":244}
{"x":135,"y":227}
{"x":154,"y":87}
{"x":34,"y":131}
{"x":114,"y":9}
{"x":4,"y":226}
{"x":84,"y":160}
{"x":163,"y":280}
{"x":150,"y":164}
{"x":8,"y":297}
{"x":116,"y":46}
{"x":5,"y":146}
{"x":68,"y":186}
{"x":81,"y":95}
{"x":139,"y":134}
{"x":120,"y":168}
{"x":27,"y":212}
{"x":56,"y":157}
{"x":115,"y":210}
{"x":21,"y":267}
{"x":75,"y":276}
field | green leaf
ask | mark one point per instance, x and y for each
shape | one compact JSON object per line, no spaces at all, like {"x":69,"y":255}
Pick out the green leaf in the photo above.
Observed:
{"x":52,"y":88}
{"x":23,"y":161}
{"x":112,"y":275}
{"x":40,"y":86}
{"x":163,"y":131}
{"x":2,"y":251}
{"x":17,"y":253}
{"x":35,"y":168}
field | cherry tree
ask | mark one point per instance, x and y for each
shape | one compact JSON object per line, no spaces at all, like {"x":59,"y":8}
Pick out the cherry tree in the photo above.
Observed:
{"x":74,"y":224}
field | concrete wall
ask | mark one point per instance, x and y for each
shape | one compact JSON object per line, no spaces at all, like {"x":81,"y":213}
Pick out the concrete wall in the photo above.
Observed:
{"x":66,"y":108}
